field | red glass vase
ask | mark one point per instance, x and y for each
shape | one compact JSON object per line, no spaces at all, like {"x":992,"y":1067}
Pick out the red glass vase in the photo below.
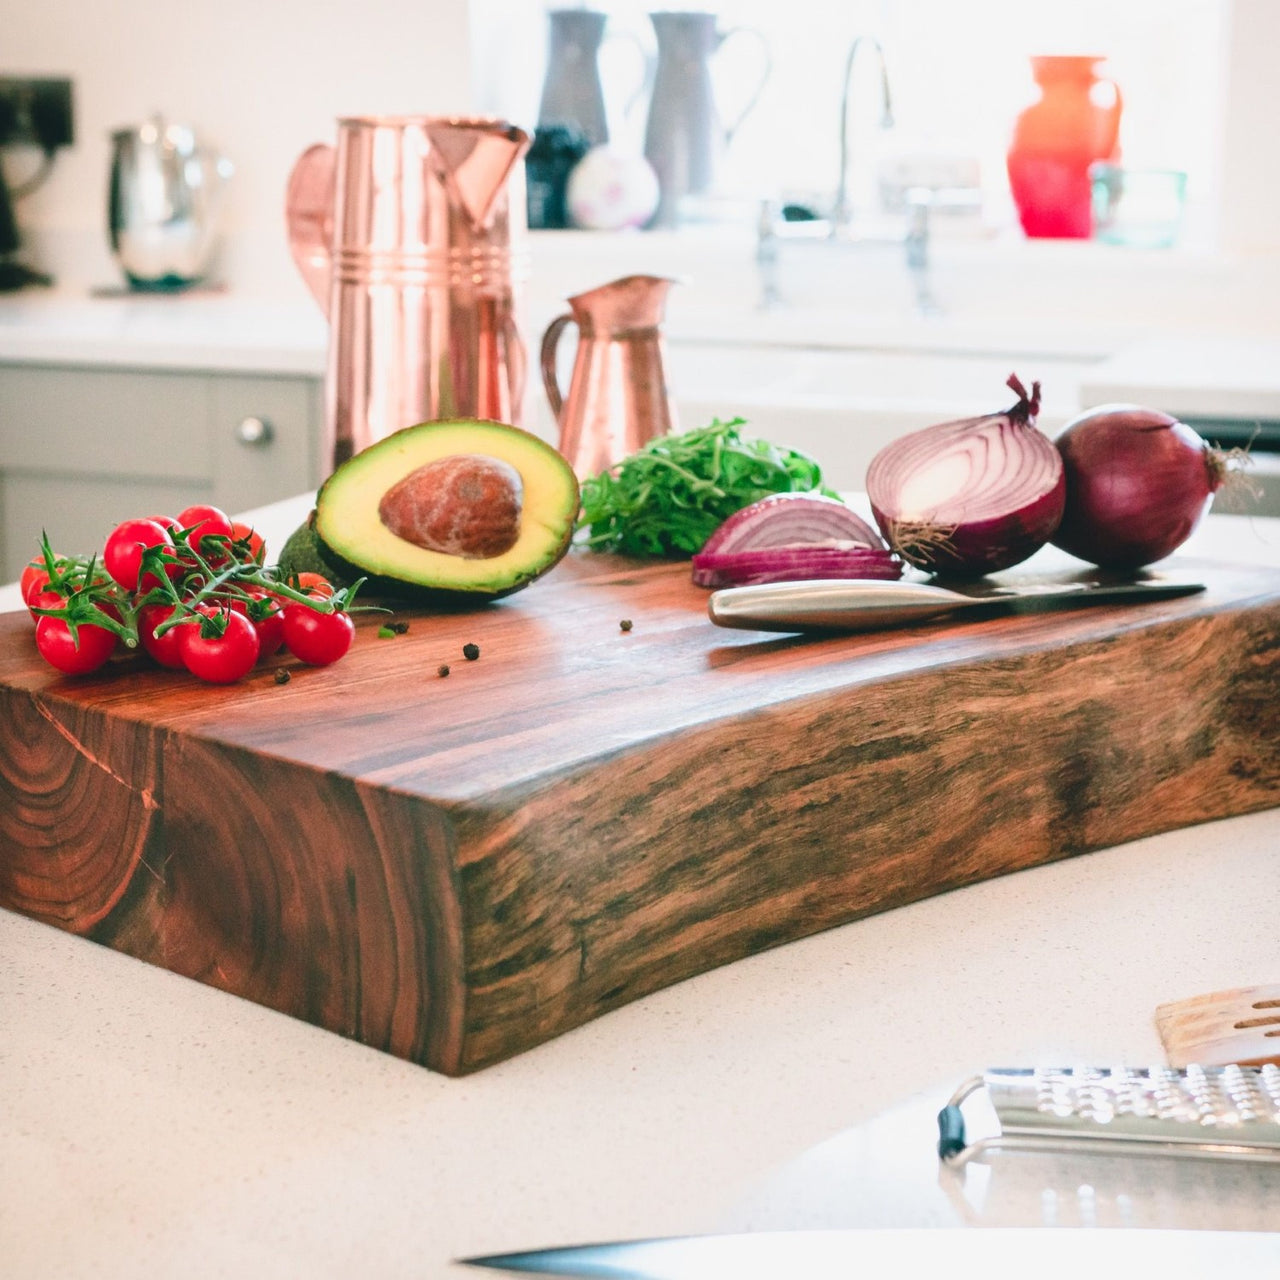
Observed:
{"x":1074,"y":121}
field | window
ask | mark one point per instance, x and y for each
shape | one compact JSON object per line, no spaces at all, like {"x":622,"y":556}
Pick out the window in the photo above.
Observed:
{"x":959,"y":74}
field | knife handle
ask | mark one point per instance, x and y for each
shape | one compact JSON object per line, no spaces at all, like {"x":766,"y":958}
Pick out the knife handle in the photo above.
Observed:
{"x":843,"y":604}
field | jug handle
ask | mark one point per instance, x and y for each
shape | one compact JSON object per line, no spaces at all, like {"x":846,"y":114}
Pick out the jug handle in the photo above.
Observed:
{"x":550,"y":341}
{"x":766,"y":70}
{"x":1114,"y":112}
{"x":308,"y":213}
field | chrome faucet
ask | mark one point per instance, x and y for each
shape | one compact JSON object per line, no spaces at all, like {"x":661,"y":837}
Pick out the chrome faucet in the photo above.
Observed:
{"x":841,"y":212}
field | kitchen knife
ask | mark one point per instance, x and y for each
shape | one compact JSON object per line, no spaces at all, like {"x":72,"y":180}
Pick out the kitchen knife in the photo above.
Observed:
{"x":1188,"y":1159}
{"x":856,"y":604}
{"x":957,"y":1254}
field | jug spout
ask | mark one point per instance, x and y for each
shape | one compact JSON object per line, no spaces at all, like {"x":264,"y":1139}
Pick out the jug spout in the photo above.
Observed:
{"x":475,"y":158}
{"x":622,"y":306}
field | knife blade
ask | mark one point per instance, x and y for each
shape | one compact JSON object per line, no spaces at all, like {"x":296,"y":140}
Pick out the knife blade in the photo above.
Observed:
{"x":841,"y":1254}
{"x":856,"y":604}
{"x":913,"y":1185}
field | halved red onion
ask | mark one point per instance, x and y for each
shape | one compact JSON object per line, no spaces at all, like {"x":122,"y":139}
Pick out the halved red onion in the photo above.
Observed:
{"x":973,"y":496}
{"x":795,"y":563}
{"x":1138,"y":483}
{"x":793,"y":519}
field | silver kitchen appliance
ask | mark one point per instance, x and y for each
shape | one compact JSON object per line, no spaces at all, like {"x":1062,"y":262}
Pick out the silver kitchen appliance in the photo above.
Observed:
{"x":165,"y":204}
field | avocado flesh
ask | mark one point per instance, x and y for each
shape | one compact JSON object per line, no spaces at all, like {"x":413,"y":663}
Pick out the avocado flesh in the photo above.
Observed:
{"x":350,"y":531}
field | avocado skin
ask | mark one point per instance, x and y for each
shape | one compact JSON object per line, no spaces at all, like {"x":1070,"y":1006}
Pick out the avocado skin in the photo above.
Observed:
{"x":303,"y":552}
{"x":306,"y":552}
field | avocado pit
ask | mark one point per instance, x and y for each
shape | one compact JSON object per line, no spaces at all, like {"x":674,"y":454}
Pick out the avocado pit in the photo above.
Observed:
{"x":463,"y":504}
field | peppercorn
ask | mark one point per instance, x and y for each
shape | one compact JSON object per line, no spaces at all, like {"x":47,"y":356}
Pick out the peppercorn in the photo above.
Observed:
{"x":282,"y":675}
{"x":442,"y":670}
{"x":625,"y":624}
{"x":471,"y":652}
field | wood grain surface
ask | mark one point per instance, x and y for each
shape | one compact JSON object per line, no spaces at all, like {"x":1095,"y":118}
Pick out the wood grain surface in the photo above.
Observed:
{"x":454,"y":869}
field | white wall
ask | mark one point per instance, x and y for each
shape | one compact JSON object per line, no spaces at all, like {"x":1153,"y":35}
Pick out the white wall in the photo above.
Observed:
{"x":1250,"y":162}
{"x":267,"y":77}
{"x":263,"y":78}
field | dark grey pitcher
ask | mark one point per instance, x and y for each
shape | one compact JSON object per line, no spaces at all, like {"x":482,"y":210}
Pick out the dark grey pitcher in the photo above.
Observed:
{"x":685,"y":139}
{"x":572,"y":92}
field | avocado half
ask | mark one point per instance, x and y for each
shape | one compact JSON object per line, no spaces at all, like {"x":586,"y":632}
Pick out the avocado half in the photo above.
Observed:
{"x":458,"y":508}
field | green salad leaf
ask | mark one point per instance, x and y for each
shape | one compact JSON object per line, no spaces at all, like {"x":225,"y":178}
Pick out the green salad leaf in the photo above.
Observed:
{"x":668,"y":498}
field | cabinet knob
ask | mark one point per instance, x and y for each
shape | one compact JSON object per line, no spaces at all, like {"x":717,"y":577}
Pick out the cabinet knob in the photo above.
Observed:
{"x":254,"y":431}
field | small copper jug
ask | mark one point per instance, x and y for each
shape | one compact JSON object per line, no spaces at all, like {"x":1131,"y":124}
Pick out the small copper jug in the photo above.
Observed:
{"x":618,"y":399}
{"x":410,"y":235}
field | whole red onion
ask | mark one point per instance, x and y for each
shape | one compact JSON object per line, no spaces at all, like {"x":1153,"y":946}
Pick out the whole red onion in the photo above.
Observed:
{"x":1138,"y":483}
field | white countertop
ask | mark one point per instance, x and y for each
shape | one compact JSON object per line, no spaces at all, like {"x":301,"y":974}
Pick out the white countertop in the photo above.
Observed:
{"x":205,"y":331}
{"x":153,"y":1126}
{"x":1192,"y":333}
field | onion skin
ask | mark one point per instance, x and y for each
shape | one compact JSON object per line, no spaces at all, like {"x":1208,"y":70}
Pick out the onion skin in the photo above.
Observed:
{"x":1013,"y":503}
{"x":1138,"y":484}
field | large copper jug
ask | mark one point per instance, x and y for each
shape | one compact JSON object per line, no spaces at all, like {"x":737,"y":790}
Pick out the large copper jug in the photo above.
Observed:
{"x":410,"y":235}
{"x":618,"y":398}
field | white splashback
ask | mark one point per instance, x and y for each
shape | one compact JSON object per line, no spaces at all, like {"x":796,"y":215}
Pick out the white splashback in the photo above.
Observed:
{"x":262,"y":80}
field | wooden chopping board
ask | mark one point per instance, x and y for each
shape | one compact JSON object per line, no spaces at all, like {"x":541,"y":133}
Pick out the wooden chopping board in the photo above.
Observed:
{"x":454,"y":869}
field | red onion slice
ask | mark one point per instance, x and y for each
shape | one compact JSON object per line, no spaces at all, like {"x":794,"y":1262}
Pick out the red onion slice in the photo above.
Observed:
{"x":793,"y":519}
{"x":973,"y":496}
{"x":787,"y":564}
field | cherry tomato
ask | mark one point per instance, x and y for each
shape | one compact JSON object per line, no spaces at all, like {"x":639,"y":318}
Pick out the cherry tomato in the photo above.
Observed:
{"x":165,"y":649}
{"x":122,"y":554}
{"x":44,"y":598}
{"x":205,"y":522}
{"x":317,"y":638}
{"x":313,"y":584}
{"x":268,"y":619}
{"x":91,"y":647}
{"x":168,"y":521}
{"x":245,"y":533}
{"x":220,"y":659}
{"x":35,"y":577}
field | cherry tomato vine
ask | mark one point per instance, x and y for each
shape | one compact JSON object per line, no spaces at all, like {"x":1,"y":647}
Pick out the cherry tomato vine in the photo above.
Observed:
{"x":194,"y":592}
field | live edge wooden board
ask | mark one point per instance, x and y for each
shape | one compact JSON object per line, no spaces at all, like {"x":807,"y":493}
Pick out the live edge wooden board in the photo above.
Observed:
{"x":456,"y":869}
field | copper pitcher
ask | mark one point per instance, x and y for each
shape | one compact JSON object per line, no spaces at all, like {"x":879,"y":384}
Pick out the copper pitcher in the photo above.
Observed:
{"x":410,"y":234}
{"x":618,"y":399}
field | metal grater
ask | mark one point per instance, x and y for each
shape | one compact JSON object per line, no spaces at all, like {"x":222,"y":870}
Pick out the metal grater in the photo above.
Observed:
{"x":1227,"y":1112}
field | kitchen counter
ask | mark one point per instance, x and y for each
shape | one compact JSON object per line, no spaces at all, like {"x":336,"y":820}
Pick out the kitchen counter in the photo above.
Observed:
{"x":206,"y":330}
{"x":1078,"y":301}
{"x":153,"y":1126}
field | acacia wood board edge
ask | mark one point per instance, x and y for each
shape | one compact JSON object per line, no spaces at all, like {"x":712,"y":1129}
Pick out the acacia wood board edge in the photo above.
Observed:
{"x":460,"y":891}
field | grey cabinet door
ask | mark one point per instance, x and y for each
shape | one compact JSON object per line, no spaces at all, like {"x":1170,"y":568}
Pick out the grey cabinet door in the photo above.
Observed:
{"x":81,"y":449}
{"x":264,"y":439}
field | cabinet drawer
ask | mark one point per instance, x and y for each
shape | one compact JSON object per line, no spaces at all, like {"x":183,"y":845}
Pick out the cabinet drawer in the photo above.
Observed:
{"x":104,"y":422}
